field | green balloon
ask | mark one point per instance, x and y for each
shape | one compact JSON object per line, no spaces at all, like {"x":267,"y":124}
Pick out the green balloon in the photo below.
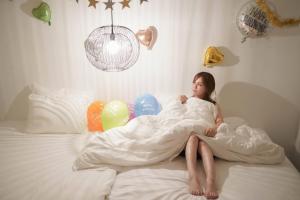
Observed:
{"x":42,"y":12}
{"x":114,"y":114}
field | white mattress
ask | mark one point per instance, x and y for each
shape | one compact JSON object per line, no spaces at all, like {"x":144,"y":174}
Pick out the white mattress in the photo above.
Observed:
{"x":235,"y":181}
{"x":36,"y":166}
{"x":39,"y":167}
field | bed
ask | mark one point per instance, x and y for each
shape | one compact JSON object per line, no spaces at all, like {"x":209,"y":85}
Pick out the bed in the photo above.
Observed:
{"x":39,"y":166}
{"x":37,"y":156}
{"x":235,"y":180}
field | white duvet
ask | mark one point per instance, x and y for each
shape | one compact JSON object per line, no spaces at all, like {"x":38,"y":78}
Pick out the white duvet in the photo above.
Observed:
{"x":150,"y":139}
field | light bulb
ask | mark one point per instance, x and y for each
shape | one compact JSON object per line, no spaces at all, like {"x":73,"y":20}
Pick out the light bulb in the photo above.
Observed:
{"x":113,"y":47}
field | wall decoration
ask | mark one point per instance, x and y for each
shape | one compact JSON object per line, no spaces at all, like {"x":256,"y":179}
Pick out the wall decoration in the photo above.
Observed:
{"x":256,"y":18}
{"x":213,"y":56}
{"x":274,"y":18}
{"x":125,"y":3}
{"x":93,"y":3}
{"x":42,"y":12}
{"x":252,"y":22}
{"x":147,"y":37}
{"x":109,"y":4}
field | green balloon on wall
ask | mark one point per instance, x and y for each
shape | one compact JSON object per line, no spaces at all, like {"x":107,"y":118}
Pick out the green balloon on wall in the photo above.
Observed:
{"x":114,"y":114}
{"x":42,"y":12}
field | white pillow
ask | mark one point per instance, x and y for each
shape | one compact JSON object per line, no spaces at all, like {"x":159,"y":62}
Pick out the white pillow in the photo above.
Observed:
{"x":41,"y":90}
{"x":164,"y":99}
{"x":59,"y":111}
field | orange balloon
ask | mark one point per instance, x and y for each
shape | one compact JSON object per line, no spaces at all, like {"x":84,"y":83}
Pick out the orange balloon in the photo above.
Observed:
{"x":94,"y":116}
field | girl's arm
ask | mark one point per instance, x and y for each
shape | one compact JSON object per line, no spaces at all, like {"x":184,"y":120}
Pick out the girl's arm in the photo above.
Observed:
{"x":211,"y":132}
{"x":219,"y":118}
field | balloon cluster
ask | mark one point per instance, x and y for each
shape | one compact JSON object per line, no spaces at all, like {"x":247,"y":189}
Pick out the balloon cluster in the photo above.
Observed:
{"x":103,"y":116}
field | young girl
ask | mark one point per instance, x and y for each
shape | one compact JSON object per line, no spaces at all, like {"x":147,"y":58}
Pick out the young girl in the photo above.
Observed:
{"x":203,"y":86}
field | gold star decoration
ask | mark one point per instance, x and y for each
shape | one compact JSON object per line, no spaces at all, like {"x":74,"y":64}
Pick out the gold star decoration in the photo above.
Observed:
{"x":141,"y":1}
{"x":109,"y":4}
{"x":125,"y":3}
{"x":93,"y":3}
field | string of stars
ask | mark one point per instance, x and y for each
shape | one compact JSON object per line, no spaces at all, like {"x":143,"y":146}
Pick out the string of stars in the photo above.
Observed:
{"x":109,"y":3}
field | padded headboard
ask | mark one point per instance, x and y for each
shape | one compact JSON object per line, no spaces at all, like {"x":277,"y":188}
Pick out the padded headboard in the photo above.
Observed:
{"x":264,"y":109}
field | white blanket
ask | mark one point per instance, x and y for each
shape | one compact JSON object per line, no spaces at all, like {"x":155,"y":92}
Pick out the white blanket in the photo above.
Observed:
{"x":150,"y":139}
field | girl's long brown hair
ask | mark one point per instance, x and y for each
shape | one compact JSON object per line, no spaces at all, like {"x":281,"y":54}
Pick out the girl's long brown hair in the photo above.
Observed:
{"x":209,"y":83}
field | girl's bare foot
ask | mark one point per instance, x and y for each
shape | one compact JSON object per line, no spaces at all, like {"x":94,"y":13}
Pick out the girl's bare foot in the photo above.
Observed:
{"x":211,"y":190}
{"x":195,"y":186}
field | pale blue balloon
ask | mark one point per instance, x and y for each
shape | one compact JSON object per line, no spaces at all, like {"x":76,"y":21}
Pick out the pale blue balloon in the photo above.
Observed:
{"x":146,"y":104}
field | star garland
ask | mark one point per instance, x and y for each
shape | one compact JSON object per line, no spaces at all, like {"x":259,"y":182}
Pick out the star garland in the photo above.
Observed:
{"x":109,"y":4}
{"x":125,"y":3}
{"x":93,"y":3}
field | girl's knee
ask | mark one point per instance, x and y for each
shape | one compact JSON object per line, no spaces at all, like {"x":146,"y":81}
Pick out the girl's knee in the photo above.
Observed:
{"x":193,"y":138}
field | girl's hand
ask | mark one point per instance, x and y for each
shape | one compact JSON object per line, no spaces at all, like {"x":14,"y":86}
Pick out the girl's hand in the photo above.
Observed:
{"x":183,"y":98}
{"x":210,"y":132}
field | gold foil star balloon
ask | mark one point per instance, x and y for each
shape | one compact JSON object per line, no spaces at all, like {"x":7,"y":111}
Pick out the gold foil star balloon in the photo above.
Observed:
{"x":125,"y":3}
{"x":147,"y":37}
{"x":109,"y":4}
{"x":93,"y":3}
{"x":213,"y":56}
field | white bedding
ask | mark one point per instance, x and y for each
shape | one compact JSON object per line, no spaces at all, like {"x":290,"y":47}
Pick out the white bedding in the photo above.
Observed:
{"x":150,"y":139}
{"x":39,"y":167}
{"x":235,"y":181}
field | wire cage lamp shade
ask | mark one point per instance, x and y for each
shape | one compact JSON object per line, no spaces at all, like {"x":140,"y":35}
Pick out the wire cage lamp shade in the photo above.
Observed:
{"x":112,"y":48}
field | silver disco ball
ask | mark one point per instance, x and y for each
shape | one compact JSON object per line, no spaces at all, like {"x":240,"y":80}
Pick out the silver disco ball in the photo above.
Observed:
{"x":112,"y":48}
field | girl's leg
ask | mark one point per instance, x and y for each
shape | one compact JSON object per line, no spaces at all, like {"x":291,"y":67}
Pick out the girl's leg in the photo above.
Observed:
{"x":209,"y":167}
{"x":191,"y":160}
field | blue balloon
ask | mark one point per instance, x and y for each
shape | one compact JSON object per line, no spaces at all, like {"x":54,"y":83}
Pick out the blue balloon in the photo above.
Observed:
{"x":146,"y":105}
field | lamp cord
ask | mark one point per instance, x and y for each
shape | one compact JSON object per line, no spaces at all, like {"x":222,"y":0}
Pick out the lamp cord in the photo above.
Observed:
{"x":112,"y":22}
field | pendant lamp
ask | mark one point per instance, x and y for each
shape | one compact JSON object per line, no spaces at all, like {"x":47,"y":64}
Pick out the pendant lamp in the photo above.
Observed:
{"x":112,"y":48}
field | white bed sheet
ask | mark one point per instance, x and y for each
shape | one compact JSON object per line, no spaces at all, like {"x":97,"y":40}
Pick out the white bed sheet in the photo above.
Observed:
{"x":235,"y":181}
{"x":39,"y":167}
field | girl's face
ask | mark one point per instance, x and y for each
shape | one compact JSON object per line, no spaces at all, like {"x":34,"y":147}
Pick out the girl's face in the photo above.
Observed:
{"x":199,"y":88}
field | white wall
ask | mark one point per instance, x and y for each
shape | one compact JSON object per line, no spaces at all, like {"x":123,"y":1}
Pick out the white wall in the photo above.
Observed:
{"x":257,"y":79}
